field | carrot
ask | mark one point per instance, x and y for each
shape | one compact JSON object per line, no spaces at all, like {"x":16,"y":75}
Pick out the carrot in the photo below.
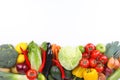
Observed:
{"x":55,"y":50}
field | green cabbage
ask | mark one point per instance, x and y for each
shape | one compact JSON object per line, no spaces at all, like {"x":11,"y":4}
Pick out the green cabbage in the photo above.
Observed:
{"x":69,"y":57}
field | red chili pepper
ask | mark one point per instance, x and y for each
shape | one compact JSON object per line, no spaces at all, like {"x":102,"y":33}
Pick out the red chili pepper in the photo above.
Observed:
{"x":26,"y":58}
{"x":43,"y":60}
{"x":60,"y":67}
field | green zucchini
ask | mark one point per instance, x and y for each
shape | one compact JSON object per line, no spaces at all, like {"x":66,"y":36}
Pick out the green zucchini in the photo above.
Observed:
{"x":115,"y":75}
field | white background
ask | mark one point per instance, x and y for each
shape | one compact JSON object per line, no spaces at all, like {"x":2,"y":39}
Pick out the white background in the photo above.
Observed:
{"x":65,"y":22}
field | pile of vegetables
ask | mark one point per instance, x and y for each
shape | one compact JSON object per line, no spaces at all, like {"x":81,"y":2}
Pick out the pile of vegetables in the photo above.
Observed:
{"x":30,"y":61}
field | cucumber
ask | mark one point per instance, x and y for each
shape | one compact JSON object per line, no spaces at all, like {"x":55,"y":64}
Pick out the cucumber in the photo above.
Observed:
{"x":115,"y":75}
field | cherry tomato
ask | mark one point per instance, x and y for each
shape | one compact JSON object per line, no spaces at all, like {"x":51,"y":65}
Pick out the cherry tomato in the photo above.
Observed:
{"x":84,"y":62}
{"x":89,"y":47}
{"x":103,"y":59}
{"x":31,"y":74}
{"x":95,"y":54}
{"x":93,"y":62}
{"x":85,"y":55}
{"x":99,"y":68}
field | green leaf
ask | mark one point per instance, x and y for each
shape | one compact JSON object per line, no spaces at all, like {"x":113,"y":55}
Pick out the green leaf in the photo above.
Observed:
{"x":34,"y":55}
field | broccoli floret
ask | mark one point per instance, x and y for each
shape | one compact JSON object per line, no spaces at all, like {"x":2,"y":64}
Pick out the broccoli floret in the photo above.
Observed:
{"x":8,"y":56}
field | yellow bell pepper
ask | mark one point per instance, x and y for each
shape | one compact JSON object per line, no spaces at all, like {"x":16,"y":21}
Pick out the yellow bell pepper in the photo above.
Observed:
{"x":78,"y":71}
{"x":90,"y":74}
{"x":23,"y":45}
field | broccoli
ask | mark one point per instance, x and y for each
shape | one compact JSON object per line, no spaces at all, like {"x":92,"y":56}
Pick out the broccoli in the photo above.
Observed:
{"x":11,"y":76}
{"x":8,"y":56}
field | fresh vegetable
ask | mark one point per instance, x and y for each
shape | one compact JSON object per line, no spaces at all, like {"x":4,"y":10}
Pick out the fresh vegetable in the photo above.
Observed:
{"x":101,"y":76}
{"x":60,"y":68}
{"x":99,"y":68}
{"x":34,"y":55}
{"x":11,"y":76}
{"x":89,"y":47}
{"x":20,"y":58}
{"x":31,"y":74}
{"x":44,"y":46}
{"x":68,"y":74}
{"x":78,"y":71}
{"x":22,"y":68}
{"x":78,"y":78}
{"x":110,"y":63}
{"x":23,"y":45}
{"x":95,"y":54}
{"x":4,"y":69}
{"x":41,"y":77}
{"x":85,"y":55}
{"x":103,"y":59}
{"x":14,"y":70}
{"x":43,"y":60}
{"x":50,"y":77}
{"x":117,"y":54}
{"x":116,"y":64}
{"x":25,"y":53}
{"x":84,"y":63}
{"x":113,"y":63}
{"x":101,"y":47}
{"x":81,"y":48}
{"x":55,"y":50}
{"x":69,"y":57}
{"x":48,"y":63}
{"x":113,"y":49}
{"x":8,"y":56}
{"x":115,"y":75}
{"x":55,"y":72}
{"x":107,"y":71}
{"x":90,"y":74}
{"x":92,"y":62}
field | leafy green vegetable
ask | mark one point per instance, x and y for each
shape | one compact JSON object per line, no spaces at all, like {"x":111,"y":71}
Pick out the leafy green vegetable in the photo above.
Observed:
{"x":11,"y":76}
{"x":8,"y":56}
{"x":44,"y":45}
{"x":69,"y":57}
{"x":34,"y":55}
{"x":113,"y":49}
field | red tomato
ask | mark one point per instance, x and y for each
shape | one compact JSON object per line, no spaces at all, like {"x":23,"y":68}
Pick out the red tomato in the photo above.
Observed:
{"x":93,"y":62}
{"x":103,"y":59}
{"x":84,"y":62}
{"x":99,"y":68}
{"x":31,"y":74}
{"x":89,"y":47}
{"x":85,"y":55}
{"x":99,"y":56}
{"x":95,"y":54}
